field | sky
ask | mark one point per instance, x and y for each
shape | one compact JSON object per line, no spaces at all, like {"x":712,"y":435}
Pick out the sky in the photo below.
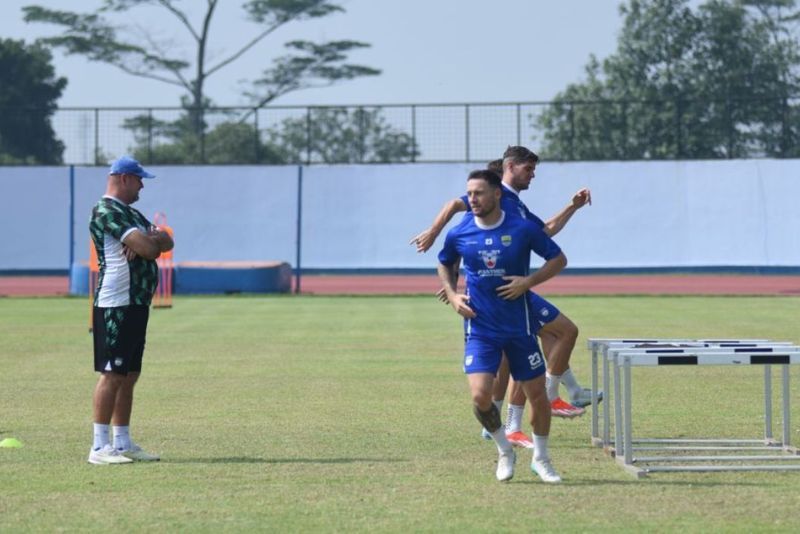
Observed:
{"x":430,"y":51}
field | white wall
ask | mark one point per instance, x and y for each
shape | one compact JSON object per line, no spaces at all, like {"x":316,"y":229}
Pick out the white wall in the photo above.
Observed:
{"x":644,"y":214}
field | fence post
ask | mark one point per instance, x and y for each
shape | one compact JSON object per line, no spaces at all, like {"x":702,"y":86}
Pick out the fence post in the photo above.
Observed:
{"x":71,"y":218}
{"x":299,"y":240}
{"x":361,"y":134}
{"x":730,"y":125}
{"x":414,"y":133}
{"x":571,"y":131}
{"x":97,"y":136}
{"x":678,"y":132}
{"x":784,"y":134}
{"x":624,"y":130}
{"x":256,"y":137}
{"x":466,"y":130}
{"x":150,"y":135}
{"x":308,"y":136}
{"x":202,"y":127}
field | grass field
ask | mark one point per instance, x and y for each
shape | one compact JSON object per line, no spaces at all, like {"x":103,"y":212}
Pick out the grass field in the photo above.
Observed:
{"x":352,"y":414}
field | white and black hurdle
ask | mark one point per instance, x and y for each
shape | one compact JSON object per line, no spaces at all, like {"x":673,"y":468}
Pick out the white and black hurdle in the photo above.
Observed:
{"x":620,"y":355}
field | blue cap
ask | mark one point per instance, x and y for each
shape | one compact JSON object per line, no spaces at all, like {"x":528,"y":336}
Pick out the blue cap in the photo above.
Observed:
{"x":128,"y":165}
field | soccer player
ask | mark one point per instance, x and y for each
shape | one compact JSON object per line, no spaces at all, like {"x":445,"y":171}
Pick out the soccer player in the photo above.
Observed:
{"x":127,"y":246}
{"x":496,"y":248}
{"x":556,"y":331}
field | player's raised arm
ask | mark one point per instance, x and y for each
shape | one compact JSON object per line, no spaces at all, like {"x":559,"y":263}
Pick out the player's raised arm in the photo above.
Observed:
{"x":557,"y":222}
{"x":424,"y":240}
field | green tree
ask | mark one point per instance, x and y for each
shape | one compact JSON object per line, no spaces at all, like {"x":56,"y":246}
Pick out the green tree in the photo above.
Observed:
{"x":339,"y":135}
{"x":716,"y":81}
{"x":29,"y":90}
{"x":303,"y":65}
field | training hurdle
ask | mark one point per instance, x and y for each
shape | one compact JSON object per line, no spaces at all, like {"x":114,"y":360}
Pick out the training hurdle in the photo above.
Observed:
{"x":620,"y":355}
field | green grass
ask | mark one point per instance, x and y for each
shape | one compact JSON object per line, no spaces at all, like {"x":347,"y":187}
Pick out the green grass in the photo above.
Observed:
{"x":352,"y":414}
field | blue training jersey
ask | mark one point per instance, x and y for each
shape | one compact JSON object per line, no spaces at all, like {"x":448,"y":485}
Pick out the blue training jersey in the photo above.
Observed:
{"x":489,"y":254}
{"x":512,"y":204}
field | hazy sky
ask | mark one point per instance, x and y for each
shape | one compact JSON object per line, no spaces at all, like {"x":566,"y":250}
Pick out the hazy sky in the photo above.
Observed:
{"x":430,"y":51}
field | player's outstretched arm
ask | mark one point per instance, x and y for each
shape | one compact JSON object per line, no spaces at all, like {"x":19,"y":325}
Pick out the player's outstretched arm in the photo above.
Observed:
{"x":424,"y":240}
{"x":458,"y":301}
{"x":519,"y":285}
{"x":556,"y":223}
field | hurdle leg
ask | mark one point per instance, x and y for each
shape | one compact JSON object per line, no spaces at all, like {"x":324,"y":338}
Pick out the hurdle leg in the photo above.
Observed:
{"x":628,"y":425}
{"x":768,"y":404}
{"x":619,"y":446}
{"x":787,"y":427}
{"x":626,"y":459}
{"x":606,"y":411}
{"x":596,"y":441}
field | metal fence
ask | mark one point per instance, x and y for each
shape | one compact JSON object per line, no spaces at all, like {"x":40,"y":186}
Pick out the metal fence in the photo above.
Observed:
{"x":478,"y":132}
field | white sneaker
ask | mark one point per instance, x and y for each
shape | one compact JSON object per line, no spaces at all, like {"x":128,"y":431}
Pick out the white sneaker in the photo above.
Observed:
{"x":107,"y":455}
{"x":545,"y":470}
{"x":505,"y":465}
{"x":136,"y":453}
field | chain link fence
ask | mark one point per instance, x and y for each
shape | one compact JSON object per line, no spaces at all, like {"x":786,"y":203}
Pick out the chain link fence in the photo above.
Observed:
{"x":430,"y":133}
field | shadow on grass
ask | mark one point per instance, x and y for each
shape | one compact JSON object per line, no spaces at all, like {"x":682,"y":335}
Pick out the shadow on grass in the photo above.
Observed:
{"x":651,"y":481}
{"x":252,"y":460}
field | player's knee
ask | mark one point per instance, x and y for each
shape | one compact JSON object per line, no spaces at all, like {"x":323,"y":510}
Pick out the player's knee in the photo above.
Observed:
{"x":482,"y":399}
{"x":567,"y":329}
{"x":112,"y":379}
{"x":536,"y":393}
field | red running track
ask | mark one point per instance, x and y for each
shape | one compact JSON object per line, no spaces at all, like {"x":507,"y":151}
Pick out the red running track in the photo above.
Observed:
{"x":705,"y":284}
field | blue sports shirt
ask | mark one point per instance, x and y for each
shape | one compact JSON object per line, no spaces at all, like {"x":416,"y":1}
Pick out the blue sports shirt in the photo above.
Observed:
{"x":489,"y":254}
{"x":512,"y":204}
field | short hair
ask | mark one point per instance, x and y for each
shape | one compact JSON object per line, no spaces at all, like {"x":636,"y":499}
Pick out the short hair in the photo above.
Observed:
{"x":519,"y":154}
{"x":490,"y":177}
{"x":495,"y":166}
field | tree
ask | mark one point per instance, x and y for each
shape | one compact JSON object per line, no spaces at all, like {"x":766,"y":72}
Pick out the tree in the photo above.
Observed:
{"x":304,"y":65}
{"x":337,"y":135}
{"x":29,"y":89}
{"x":712,"y":82}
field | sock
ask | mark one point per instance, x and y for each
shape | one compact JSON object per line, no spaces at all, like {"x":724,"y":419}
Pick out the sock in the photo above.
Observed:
{"x":122,"y":438}
{"x":100,"y":436}
{"x":571,"y":383}
{"x":540,"y":451}
{"x":499,"y":404}
{"x":514,"y":422}
{"x":551,"y":384}
{"x":499,"y":437}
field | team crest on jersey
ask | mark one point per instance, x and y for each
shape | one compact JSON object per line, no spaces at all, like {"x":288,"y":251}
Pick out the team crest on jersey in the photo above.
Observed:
{"x":506,"y":240}
{"x":489,"y":257}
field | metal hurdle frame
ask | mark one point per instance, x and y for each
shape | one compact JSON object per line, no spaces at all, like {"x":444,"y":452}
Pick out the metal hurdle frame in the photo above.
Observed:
{"x":693,"y":352}
{"x":599,"y":348}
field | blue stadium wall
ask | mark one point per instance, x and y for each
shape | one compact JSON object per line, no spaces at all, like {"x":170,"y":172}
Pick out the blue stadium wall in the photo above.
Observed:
{"x":646,"y":216}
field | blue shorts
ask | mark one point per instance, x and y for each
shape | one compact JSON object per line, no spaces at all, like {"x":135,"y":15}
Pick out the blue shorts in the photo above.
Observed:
{"x":542,"y":312}
{"x":483,"y":355}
